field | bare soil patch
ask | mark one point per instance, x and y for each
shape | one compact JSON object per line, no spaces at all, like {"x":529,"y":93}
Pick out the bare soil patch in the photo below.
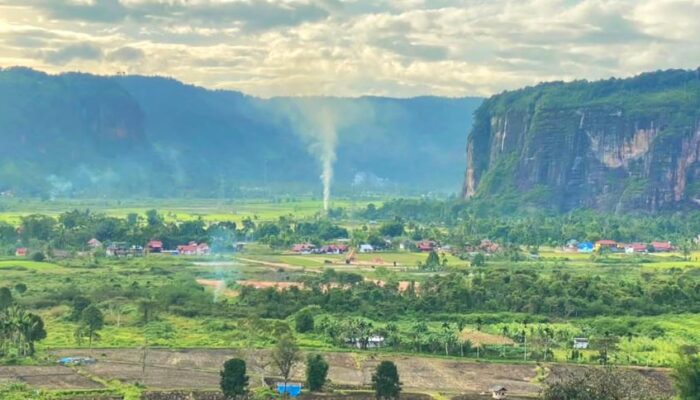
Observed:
{"x":485,"y":339}
{"x":198,"y":369}
{"x":48,"y":377}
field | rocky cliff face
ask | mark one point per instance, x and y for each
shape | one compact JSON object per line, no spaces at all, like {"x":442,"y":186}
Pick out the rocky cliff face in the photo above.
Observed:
{"x":615,"y":145}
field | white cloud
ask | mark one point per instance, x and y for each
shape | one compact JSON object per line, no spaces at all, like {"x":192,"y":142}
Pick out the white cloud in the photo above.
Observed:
{"x":354,"y":47}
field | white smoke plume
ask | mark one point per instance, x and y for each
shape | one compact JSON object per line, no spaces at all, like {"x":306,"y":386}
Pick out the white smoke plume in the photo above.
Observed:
{"x":319,"y":121}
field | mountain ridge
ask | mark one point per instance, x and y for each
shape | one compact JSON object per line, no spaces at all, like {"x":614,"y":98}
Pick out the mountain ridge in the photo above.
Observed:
{"x":618,"y":144}
{"x":77,"y":134}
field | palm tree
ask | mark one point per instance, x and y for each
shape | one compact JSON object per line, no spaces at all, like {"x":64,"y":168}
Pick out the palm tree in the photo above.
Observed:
{"x":460,"y":328}
{"x":447,"y":337}
{"x":419,"y":329}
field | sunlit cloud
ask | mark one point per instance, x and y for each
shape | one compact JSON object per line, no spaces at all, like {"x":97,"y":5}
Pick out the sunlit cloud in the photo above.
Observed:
{"x":353,"y":47}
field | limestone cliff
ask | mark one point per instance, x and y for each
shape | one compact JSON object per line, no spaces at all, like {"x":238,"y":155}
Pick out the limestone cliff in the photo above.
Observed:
{"x":615,"y":145}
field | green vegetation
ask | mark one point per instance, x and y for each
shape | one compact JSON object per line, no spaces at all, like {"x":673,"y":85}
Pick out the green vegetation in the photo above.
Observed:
{"x":234,"y":381}
{"x":385,"y":381}
{"x":285,"y":356}
{"x":522,"y":298}
{"x":316,"y":372}
{"x":687,"y":374}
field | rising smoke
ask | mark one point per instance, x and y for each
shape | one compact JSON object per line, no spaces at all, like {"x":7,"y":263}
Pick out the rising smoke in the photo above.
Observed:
{"x":319,"y":121}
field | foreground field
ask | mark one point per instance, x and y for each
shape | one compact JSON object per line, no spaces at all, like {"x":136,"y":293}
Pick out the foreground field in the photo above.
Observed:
{"x":653,"y":340}
{"x":199,"y":369}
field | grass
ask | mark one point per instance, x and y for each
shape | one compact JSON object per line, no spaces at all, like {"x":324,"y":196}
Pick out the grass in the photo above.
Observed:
{"x":210,"y":210}
{"x":21,"y":263}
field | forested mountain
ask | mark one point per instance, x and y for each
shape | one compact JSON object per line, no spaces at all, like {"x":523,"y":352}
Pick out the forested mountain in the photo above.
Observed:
{"x":84,"y":135}
{"x":614,"y":145}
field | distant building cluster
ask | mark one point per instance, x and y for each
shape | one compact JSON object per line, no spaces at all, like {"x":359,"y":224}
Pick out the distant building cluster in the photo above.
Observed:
{"x":122,"y":249}
{"x":616,"y":247}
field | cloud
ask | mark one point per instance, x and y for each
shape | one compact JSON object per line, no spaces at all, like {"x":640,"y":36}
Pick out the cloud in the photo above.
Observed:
{"x":354,"y":47}
{"x":83,"y":51}
{"x":125,"y":54}
{"x":257,"y":14}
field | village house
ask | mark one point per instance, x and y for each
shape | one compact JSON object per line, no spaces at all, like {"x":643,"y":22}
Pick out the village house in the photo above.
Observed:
{"x":580,"y":343}
{"x":584,"y":247}
{"x":154,"y":246}
{"x":498,"y":392}
{"x":489,"y":246}
{"x":571,"y":246}
{"x":121,"y":249}
{"x":192,"y":249}
{"x":366,"y":248}
{"x":333,"y":249}
{"x":635,"y":248}
{"x":94,"y":244}
{"x":21,"y":252}
{"x":606,"y":244}
{"x":372,"y":342}
{"x":662,"y":247}
{"x":239,"y":246}
{"x":426,"y":246}
{"x":303,"y":248}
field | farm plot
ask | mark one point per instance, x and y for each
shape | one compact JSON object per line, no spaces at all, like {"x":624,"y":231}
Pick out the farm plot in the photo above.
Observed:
{"x":199,"y":369}
{"x":48,"y":377}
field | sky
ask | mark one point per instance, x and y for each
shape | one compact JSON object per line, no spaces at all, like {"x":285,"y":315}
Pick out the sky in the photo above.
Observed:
{"x":398,"y":48}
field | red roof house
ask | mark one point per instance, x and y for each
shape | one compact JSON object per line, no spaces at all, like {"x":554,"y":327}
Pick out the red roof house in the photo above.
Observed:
{"x":21,"y":252}
{"x":426,"y":245}
{"x":303,"y":248}
{"x":636,"y":248}
{"x":155,"y":246}
{"x":192,"y":248}
{"x":662,"y":246}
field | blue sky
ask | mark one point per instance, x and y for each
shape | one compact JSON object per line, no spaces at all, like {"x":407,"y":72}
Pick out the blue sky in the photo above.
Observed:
{"x":353,"y":47}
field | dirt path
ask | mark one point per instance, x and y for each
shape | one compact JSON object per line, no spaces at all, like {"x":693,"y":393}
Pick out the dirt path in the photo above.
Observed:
{"x":218,"y":286}
{"x":272,"y":264}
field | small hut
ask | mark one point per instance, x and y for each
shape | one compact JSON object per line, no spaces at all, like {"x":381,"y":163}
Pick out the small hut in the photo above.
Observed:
{"x":498,"y":391}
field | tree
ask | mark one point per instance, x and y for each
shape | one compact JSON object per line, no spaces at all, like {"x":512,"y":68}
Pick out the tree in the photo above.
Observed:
{"x":147,"y":309}
{"x":5,"y":298}
{"x":432,"y":262}
{"x":686,"y":377}
{"x":285,"y":356}
{"x":479,"y":260}
{"x":80,"y":303}
{"x":20,"y":288}
{"x":304,"y":321}
{"x":316,"y":372}
{"x":385,"y":381}
{"x":38,"y":256}
{"x":392,"y":229}
{"x":19,"y":330}
{"x":234,"y":381}
{"x":33,"y":331}
{"x":686,"y":249}
{"x":91,"y":321}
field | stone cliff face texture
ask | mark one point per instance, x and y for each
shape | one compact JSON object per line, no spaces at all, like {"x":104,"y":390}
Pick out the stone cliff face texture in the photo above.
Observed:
{"x":615,"y":145}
